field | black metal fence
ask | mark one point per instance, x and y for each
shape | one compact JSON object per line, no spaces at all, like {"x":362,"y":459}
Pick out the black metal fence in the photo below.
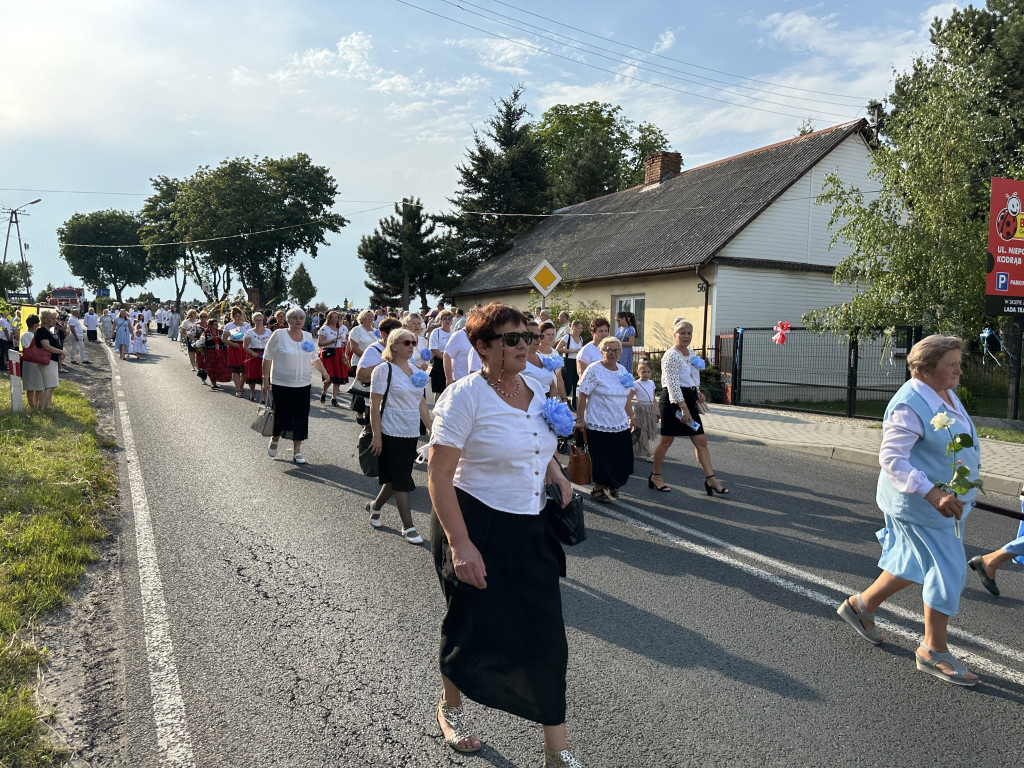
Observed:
{"x":851,"y":376}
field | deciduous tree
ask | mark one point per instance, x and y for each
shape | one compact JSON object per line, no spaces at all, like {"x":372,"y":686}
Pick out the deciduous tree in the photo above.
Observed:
{"x":102,"y":249}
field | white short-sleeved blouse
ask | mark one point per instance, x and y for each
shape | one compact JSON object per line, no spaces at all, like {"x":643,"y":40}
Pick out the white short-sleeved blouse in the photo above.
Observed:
{"x":258,"y":340}
{"x":606,"y":398}
{"x":505,"y":451}
{"x":542,"y":374}
{"x":465,"y":360}
{"x":363,"y":338}
{"x":334,"y":338}
{"x":402,"y":410}
{"x":439,"y":339}
{"x":292,"y":364}
{"x":589,"y":354}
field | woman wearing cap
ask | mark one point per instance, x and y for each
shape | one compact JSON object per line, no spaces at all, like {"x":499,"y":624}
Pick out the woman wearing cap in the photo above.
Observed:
{"x":680,"y":414}
{"x":503,"y":638}
{"x":396,"y":431}
{"x":288,"y":362}
{"x":605,"y":414}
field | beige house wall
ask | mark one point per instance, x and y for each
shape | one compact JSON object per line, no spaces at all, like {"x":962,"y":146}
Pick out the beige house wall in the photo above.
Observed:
{"x":666,"y":297}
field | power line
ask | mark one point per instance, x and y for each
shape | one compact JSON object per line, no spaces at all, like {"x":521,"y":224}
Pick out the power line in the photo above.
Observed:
{"x":524,"y":44}
{"x":639,"y":62}
{"x":678,"y":61}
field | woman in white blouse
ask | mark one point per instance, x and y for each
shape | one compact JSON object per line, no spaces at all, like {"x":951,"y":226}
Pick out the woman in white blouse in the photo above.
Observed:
{"x":422,"y":356}
{"x":680,"y":396}
{"x":535,"y":365}
{"x":360,"y":339}
{"x":570,"y":345}
{"x":502,"y":638}
{"x":605,"y":414}
{"x":590,"y":354}
{"x":438,"y":341}
{"x":255,"y":342}
{"x":331,"y":339}
{"x":546,"y":349}
{"x":288,"y":360}
{"x":397,"y":430}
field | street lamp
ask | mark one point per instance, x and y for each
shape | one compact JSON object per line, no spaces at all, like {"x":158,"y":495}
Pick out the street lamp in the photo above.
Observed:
{"x":12,"y":221}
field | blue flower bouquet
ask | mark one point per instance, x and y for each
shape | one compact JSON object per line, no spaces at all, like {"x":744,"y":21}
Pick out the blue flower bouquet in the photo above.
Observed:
{"x":308,"y":346}
{"x":626,"y":380}
{"x":552,"y":363}
{"x":419,"y":379}
{"x":559,"y":417}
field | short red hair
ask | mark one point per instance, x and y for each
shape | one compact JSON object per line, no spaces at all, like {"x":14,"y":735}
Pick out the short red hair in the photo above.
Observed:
{"x":481,"y":324}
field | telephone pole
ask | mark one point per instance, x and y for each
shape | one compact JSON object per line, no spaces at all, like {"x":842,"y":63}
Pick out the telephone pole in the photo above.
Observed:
{"x":12,"y":221}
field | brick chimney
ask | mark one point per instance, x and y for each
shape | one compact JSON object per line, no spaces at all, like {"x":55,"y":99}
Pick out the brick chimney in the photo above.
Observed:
{"x":662,"y":165}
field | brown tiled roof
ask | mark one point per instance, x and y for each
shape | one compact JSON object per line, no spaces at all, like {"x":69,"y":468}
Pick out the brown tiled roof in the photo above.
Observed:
{"x":665,"y":227}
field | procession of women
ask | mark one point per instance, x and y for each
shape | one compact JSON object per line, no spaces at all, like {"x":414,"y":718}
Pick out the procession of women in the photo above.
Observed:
{"x":496,"y":405}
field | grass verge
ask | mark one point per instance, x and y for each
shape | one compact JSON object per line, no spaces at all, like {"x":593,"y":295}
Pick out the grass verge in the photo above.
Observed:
{"x":56,"y":480}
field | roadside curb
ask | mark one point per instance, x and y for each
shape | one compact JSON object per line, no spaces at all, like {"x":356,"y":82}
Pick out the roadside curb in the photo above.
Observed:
{"x":993,"y":483}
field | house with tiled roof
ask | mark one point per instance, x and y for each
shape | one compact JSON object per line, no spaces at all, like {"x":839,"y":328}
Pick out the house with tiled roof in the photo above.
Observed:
{"x":736,"y":242}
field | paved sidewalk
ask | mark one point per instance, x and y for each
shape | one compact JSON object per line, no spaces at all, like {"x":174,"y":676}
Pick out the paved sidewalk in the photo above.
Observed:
{"x":848,"y":440}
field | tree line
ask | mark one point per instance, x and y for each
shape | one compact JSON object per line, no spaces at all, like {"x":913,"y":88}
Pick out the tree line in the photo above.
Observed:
{"x":515,"y":172}
{"x":241,"y":223}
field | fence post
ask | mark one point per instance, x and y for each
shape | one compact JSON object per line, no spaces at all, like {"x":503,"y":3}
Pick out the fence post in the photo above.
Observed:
{"x":851,"y":375}
{"x":1013,"y":346}
{"x":737,"y":364}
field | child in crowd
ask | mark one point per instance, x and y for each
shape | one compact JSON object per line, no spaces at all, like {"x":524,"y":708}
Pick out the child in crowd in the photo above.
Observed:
{"x":645,"y":412}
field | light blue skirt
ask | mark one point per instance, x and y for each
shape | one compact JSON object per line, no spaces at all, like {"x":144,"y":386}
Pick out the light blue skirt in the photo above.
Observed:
{"x":1016,"y":547}
{"x":931,"y":557}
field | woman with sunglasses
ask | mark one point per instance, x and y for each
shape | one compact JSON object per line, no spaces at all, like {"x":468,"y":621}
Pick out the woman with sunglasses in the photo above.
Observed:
{"x":396,"y":427}
{"x":503,"y":639}
{"x":605,"y":416}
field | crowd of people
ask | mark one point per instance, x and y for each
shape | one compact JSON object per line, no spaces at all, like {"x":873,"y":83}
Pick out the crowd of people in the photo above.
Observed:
{"x":501,"y":379}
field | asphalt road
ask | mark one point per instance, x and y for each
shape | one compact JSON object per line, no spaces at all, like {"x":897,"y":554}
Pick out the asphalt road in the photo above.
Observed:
{"x":702,"y":631}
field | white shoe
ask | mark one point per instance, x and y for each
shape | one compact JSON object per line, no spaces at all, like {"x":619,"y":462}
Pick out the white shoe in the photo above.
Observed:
{"x":374,"y":516}
{"x":298,"y":458}
{"x":272,"y":449}
{"x":410,"y":535}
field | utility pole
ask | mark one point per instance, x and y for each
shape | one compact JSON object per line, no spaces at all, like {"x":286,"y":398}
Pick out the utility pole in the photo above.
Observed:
{"x":12,"y":221}
{"x":406,"y":245}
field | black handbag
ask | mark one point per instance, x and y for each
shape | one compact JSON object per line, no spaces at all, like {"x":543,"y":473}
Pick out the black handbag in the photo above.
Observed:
{"x":369,"y":463}
{"x":566,"y":525}
{"x":328,"y":352}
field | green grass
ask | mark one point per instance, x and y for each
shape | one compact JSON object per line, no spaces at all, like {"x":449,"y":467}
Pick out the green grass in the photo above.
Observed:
{"x":992,"y":433}
{"x":55,"y":482}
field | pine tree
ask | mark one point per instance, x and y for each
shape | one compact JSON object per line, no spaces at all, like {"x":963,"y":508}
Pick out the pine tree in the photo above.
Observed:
{"x":300,"y":286}
{"x":504,"y":173}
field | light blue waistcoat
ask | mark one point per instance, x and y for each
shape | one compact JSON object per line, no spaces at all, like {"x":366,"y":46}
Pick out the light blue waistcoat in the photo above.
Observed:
{"x":929,"y":456}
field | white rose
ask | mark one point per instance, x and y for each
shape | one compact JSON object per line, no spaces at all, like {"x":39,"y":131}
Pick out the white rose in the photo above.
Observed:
{"x":941,"y":421}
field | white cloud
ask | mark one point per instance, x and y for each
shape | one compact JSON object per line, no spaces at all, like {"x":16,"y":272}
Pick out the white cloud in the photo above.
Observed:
{"x":243,"y":77}
{"x":665,"y":41}
{"x":506,"y":55}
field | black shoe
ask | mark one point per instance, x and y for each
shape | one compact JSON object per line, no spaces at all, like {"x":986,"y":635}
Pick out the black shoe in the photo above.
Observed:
{"x":334,"y":402}
{"x":711,"y":490}
{"x":650,"y":484}
{"x":977,"y":565}
{"x":86,"y":362}
{"x":323,"y":397}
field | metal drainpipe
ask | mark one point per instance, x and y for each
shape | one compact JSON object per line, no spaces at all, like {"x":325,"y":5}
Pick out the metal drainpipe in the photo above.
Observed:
{"x":707,"y":298}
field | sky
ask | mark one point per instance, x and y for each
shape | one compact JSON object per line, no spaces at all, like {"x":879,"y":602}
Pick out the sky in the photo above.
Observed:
{"x":100,"y":97}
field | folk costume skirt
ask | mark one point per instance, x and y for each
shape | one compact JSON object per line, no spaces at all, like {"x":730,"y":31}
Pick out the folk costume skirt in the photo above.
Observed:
{"x":670,"y":425}
{"x":611,"y":457}
{"x":254,"y":368}
{"x":291,"y":412}
{"x":505,"y":646}
{"x":335,"y":365}
{"x":397,"y":455}
{"x":236,"y":357}
{"x":214,"y":362}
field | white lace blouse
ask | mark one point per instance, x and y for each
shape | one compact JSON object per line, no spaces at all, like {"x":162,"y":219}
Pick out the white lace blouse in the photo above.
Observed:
{"x":677,"y":371}
{"x":606,"y":398}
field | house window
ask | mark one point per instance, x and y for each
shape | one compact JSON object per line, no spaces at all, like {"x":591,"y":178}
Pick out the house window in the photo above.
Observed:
{"x":634,"y":304}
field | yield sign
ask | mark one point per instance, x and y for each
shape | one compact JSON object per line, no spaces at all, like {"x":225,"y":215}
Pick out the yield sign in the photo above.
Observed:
{"x":545,"y":277}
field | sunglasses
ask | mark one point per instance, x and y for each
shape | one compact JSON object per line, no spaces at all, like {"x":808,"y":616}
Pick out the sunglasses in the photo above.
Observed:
{"x":512,"y":338}
{"x":407,"y":342}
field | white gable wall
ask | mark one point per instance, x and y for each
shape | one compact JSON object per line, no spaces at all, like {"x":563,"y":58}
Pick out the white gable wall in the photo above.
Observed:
{"x":794,"y":227}
{"x":755,"y":298}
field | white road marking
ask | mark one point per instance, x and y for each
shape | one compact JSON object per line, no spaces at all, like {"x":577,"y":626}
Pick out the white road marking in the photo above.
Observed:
{"x":973,"y":660}
{"x":172,"y":734}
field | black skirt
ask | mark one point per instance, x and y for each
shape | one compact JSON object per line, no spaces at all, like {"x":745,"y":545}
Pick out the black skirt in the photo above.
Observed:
{"x":438,"y":379}
{"x":397,"y":455}
{"x":611,"y":457}
{"x":673,"y":427}
{"x":291,"y":412}
{"x":505,"y":646}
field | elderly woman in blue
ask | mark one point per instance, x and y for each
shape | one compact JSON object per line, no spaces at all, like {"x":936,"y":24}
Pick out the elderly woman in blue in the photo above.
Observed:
{"x":921,"y":541}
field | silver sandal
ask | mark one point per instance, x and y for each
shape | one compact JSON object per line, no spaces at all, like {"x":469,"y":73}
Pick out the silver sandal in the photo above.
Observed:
{"x":931,"y":666}
{"x":453,"y":717}
{"x":854,"y":620}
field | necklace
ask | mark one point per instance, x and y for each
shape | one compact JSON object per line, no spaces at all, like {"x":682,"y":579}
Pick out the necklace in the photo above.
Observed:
{"x":502,"y":392}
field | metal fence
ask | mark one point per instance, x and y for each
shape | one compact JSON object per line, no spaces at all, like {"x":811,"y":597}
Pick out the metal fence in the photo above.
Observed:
{"x":834,"y":373}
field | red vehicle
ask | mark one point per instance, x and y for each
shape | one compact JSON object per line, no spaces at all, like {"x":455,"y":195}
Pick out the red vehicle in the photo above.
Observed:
{"x":66,"y":298}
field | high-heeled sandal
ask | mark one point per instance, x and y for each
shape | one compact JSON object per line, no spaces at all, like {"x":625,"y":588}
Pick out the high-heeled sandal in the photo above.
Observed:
{"x":711,"y":489}
{"x":453,"y":717}
{"x":650,"y":484}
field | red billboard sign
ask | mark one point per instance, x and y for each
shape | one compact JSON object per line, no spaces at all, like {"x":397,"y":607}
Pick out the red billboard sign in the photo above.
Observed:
{"x":1004,"y":286}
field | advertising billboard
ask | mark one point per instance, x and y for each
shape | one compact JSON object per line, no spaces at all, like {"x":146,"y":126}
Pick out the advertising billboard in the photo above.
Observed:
{"x":1004,"y":285}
